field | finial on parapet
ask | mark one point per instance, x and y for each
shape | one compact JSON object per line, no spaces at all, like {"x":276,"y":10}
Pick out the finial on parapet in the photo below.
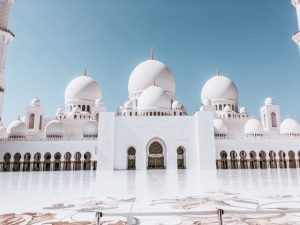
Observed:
{"x":152,"y":53}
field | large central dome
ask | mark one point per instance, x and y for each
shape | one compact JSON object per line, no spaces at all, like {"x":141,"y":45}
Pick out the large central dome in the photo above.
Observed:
{"x":83,"y":88}
{"x":219,"y":88}
{"x":148,"y":73}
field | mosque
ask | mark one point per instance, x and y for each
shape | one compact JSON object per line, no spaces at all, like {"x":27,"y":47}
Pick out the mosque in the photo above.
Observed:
{"x":151,"y":130}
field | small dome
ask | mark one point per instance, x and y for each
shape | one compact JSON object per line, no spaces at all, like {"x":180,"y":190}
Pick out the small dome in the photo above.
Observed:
{"x":17,"y":127}
{"x":269,"y":101}
{"x":176,"y":105}
{"x":36,"y":102}
{"x":83,"y":88}
{"x":289,"y":126}
{"x":60,"y":111}
{"x":227,"y":108}
{"x":76,"y":109}
{"x":90,"y":128}
{"x":220,"y":126}
{"x":99,"y":102}
{"x":154,"y":98}
{"x":207,"y":102}
{"x":54,"y":127}
{"x":148,"y":72}
{"x":219,"y":88}
{"x":243,"y":110}
{"x":128,"y":105}
{"x":253,"y":126}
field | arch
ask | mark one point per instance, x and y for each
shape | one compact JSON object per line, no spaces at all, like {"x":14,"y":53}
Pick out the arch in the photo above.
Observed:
{"x":253,"y":160}
{"x":224,"y":161}
{"x":77,"y":162}
{"x":57,"y":162}
{"x":292,"y":160}
{"x":263,"y":161}
{"x":37,"y":161}
{"x":67,"y":163}
{"x":181,"y":157}
{"x":274,"y":119}
{"x":17,"y":163}
{"x":156,"y":154}
{"x":47,"y":161}
{"x":282,"y":160}
{"x":273,"y":161}
{"x":31,"y":121}
{"x":83,"y":108}
{"x":233,"y":160}
{"x":6,"y":164}
{"x":131,"y":157}
{"x":243,"y":160}
{"x":87,"y":161}
{"x":97,"y":117}
{"x":26,"y":163}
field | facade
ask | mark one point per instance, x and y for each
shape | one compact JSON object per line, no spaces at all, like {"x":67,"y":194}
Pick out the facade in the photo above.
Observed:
{"x":151,"y":130}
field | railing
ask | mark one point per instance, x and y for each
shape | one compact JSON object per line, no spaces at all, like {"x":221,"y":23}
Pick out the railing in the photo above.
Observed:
{"x":257,"y":164}
{"x":6,"y":139}
{"x":8,"y":31}
{"x":47,"y":165}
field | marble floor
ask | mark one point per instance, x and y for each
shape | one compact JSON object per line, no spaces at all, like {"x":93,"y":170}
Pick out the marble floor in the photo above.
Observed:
{"x":157,"y":196}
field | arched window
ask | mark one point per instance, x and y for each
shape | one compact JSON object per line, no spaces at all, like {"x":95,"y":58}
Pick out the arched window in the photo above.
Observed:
{"x":156,"y":156}
{"x":83,"y":107}
{"x":131,"y":158}
{"x":88,"y":108}
{"x":274,"y":119}
{"x":31,"y":121}
{"x":180,"y":158}
{"x":220,"y":107}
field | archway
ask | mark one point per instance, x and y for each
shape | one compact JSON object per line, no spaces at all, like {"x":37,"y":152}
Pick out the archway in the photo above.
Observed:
{"x":31,"y":121}
{"x":263,"y":161}
{"x":273,"y":161}
{"x":253,"y":160}
{"x":6,"y":164}
{"x":224,"y":161}
{"x":87,"y":161}
{"x":282,"y":160}
{"x":17,"y":163}
{"x":47,"y":161}
{"x":243,"y":160}
{"x":26,"y":164}
{"x":131,"y":158}
{"x":67,"y":163}
{"x":180,"y":158}
{"x":77,"y":162}
{"x":292,"y":160}
{"x":37,"y":161}
{"x":57,"y":161}
{"x":156,"y":156}
{"x":233,"y":160}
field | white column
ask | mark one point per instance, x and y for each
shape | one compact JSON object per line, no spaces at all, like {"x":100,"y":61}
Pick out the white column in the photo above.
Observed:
{"x":6,"y":36}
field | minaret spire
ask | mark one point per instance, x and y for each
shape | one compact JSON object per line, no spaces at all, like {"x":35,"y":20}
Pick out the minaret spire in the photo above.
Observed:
{"x":85,"y":72}
{"x":6,"y":36}
{"x":296,"y":36}
{"x":152,"y":53}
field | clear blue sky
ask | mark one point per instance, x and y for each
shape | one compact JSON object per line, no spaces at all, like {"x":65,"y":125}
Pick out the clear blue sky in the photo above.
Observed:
{"x":249,"y":40}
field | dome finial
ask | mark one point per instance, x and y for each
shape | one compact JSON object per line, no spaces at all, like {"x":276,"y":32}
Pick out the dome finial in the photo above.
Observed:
{"x":218,"y":71}
{"x":85,"y":72}
{"x":152,"y":53}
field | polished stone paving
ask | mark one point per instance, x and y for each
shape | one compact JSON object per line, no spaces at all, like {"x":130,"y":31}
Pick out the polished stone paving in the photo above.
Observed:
{"x":73,"y":197}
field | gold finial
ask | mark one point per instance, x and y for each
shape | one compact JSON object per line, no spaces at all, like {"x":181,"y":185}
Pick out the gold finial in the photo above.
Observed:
{"x":152,"y":53}
{"x":218,"y":71}
{"x":85,"y":72}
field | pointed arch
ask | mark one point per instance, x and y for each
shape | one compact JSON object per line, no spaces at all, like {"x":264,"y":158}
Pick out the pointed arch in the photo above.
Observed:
{"x":156,"y":154}
{"x":31,"y":121}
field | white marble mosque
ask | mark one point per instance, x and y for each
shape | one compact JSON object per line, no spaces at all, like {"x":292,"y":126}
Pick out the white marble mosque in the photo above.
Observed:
{"x":151,"y":130}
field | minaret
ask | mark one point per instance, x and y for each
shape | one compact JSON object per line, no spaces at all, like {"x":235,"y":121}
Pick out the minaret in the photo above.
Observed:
{"x":296,"y":36}
{"x":6,"y":36}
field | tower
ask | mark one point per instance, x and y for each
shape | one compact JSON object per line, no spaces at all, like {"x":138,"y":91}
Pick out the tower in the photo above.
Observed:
{"x":296,"y":36}
{"x":6,"y":36}
{"x":270,"y":115}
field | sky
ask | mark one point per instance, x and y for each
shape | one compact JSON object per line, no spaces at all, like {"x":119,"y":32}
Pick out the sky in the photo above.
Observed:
{"x":250,"y":42}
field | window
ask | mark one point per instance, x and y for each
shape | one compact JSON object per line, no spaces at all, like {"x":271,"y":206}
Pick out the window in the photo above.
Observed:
{"x":83,"y":108}
{"x":31,"y":121}
{"x":274,"y":119}
{"x":88,"y":108}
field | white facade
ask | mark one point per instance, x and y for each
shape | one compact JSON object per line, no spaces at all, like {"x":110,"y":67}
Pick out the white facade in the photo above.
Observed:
{"x":151,"y":130}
